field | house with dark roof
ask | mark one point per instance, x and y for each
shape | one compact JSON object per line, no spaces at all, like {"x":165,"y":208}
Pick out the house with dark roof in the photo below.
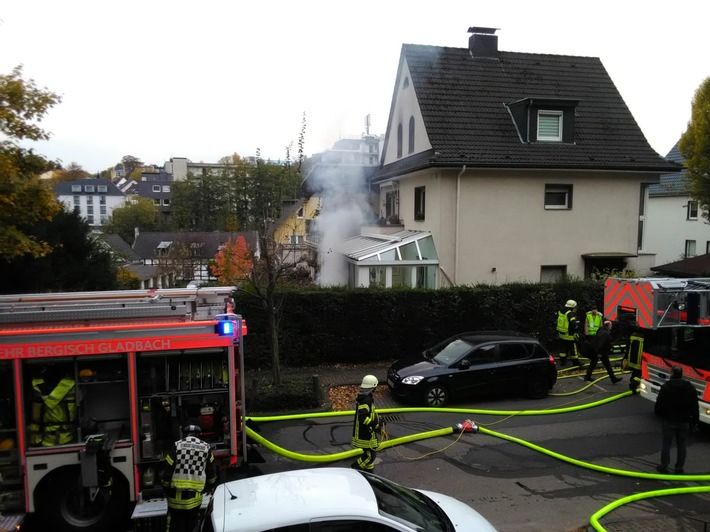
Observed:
{"x":521,"y":167}
{"x":184,"y":256}
{"x":675,"y":229}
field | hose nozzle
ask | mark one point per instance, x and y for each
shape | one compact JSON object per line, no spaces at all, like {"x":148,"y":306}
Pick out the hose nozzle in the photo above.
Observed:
{"x":466,"y":426}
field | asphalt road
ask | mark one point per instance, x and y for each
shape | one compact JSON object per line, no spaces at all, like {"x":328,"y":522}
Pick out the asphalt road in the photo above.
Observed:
{"x":516,"y":488}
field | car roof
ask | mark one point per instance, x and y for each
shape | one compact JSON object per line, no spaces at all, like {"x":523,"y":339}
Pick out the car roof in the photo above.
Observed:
{"x":480,"y":337}
{"x":249,"y":504}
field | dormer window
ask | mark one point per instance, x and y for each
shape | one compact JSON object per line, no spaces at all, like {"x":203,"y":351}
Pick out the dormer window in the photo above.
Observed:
{"x":544,"y":119}
{"x":89,"y":188}
{"x":76,"y":188}
{"x":549,"y":126}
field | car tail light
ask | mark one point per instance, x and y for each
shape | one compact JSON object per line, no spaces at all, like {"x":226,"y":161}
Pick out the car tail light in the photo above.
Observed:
{"x":552,"y":360}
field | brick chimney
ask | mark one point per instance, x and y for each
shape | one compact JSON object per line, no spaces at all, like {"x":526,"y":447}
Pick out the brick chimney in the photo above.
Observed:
{"x":483,"y":43}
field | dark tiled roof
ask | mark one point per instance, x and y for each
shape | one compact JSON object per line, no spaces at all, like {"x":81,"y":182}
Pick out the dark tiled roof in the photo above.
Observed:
{"x":698,"y":266}
{"x":463,"y":103}
{"x":143,"y":271}
{"x":63,"y":188}
{"x":675,"y":184}
{"x":146,"y":243}
{"x":118,"y":246}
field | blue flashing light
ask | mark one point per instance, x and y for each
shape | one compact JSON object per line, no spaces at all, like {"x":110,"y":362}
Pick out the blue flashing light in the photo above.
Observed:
{"x":225,"y":327}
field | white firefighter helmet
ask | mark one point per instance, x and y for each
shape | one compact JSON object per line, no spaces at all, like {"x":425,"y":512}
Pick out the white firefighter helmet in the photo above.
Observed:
{"x":571,"y":303}
{"x":369,"y":382}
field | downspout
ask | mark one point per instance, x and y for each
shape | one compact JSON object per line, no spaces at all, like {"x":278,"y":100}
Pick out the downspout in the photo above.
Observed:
{"x":456,"y":225}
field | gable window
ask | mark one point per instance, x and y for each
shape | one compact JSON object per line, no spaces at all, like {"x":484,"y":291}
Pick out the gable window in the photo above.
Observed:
{"x":558,"y":196}
{"x":411,"y":135}
{"x":399,"y":141}
{"x":549,"y":126}
{"x":692,"y":210}
{"x":419,"y":203}
{"x":689,"y":248}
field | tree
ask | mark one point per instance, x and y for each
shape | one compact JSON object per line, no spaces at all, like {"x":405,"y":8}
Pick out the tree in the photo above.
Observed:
{"x":77,"y":262}
{"x":70,"y":173}
{"x":24,"y":199}
{"x":129,"y":164}
{"x":140,"y":213}
{"x":261,"y":274}
{"x":695,"y":148}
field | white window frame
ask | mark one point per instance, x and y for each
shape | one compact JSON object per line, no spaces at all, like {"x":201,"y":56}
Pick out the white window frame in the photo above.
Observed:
{"x":156,"y":188}
{"x":692,"y":210}
{"x":76,"y":188}
{"x":102,"y":188}
{"x":565,"y":189}
{"x":166,"y":188}
{"x":89,"y":188}
{"x":690,"y":249}
{"x":546,"y":125}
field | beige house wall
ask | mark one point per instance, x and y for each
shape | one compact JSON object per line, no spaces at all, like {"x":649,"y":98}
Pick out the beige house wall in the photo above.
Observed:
{"x":295,"y":225}
{"x":491,"y":226}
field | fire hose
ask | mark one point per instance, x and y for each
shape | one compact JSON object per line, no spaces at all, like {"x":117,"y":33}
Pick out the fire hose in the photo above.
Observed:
{"x":469,"y":426}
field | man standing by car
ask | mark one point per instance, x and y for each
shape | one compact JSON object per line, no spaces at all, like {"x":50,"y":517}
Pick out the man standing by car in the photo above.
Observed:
{"x":677,"y":406}
{"x":602,"y":349}
{"x":366,"y":425}
{"x":188,"y":470}
{"x":567,"y":332}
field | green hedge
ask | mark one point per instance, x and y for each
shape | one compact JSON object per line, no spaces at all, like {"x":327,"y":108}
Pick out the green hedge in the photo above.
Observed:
{"x":333,"y":326}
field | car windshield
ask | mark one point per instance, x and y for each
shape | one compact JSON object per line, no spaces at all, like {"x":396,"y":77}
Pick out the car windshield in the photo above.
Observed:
{"x":407,"y":506}
{"x":448,"y":353}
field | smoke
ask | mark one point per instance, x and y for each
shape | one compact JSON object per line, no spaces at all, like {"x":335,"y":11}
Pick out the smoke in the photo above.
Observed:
{"x":344,"y":210}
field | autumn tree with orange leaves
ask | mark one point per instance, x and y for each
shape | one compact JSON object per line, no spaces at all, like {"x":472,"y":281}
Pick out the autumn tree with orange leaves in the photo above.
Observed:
{"x":234,"y":263}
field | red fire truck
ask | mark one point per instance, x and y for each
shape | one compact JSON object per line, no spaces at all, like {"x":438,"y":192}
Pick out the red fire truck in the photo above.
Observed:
{"x":126,"y":370}
{"x":674,"y":316}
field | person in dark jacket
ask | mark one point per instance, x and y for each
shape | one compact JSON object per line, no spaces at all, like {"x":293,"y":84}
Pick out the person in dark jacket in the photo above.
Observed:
{"x":366,"y":425}
{"x":602,"y":350}
{"x":677,"y":406}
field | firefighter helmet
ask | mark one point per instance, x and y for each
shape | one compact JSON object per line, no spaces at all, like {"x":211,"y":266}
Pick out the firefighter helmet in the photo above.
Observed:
{"x":191,"y":428}
{"x":369,"y":382}
{"x":571,"y":303}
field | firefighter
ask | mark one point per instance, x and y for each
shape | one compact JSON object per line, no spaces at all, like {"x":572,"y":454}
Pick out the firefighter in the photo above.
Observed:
{"x":188,"y":470}
{"x":632,"y":358}
{"x":53,"y":410}
{"x":567,"y":332}
{"x":366,"y":425}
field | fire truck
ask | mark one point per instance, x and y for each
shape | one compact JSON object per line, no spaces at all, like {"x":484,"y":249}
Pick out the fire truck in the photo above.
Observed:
{"x":129,"y":369}
{"x":674,"y":317}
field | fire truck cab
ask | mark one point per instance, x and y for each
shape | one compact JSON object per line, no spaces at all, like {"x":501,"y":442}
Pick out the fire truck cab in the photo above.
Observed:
{"x":95,"y":387}
{"x":673,"y":316}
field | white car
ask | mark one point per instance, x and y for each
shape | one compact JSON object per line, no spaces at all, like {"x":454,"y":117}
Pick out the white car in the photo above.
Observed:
{"x":335,"y":499}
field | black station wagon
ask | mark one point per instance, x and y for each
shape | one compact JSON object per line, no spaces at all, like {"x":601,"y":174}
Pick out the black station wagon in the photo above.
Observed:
{"x":472,"y":364}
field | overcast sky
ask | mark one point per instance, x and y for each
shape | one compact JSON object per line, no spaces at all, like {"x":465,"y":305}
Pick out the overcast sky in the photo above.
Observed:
{"x":158,"y":79}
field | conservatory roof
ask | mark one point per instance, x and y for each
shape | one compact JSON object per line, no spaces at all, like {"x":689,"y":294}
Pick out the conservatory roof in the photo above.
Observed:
{"x":366,"y":246}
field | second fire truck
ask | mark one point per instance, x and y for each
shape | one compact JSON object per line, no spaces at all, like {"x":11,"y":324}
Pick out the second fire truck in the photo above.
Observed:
{"x":673,"y":315}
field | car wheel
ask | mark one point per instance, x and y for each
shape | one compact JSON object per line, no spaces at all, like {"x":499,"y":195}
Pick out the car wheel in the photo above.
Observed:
{"x":538,"y":388}
{"x":436,"y":396}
